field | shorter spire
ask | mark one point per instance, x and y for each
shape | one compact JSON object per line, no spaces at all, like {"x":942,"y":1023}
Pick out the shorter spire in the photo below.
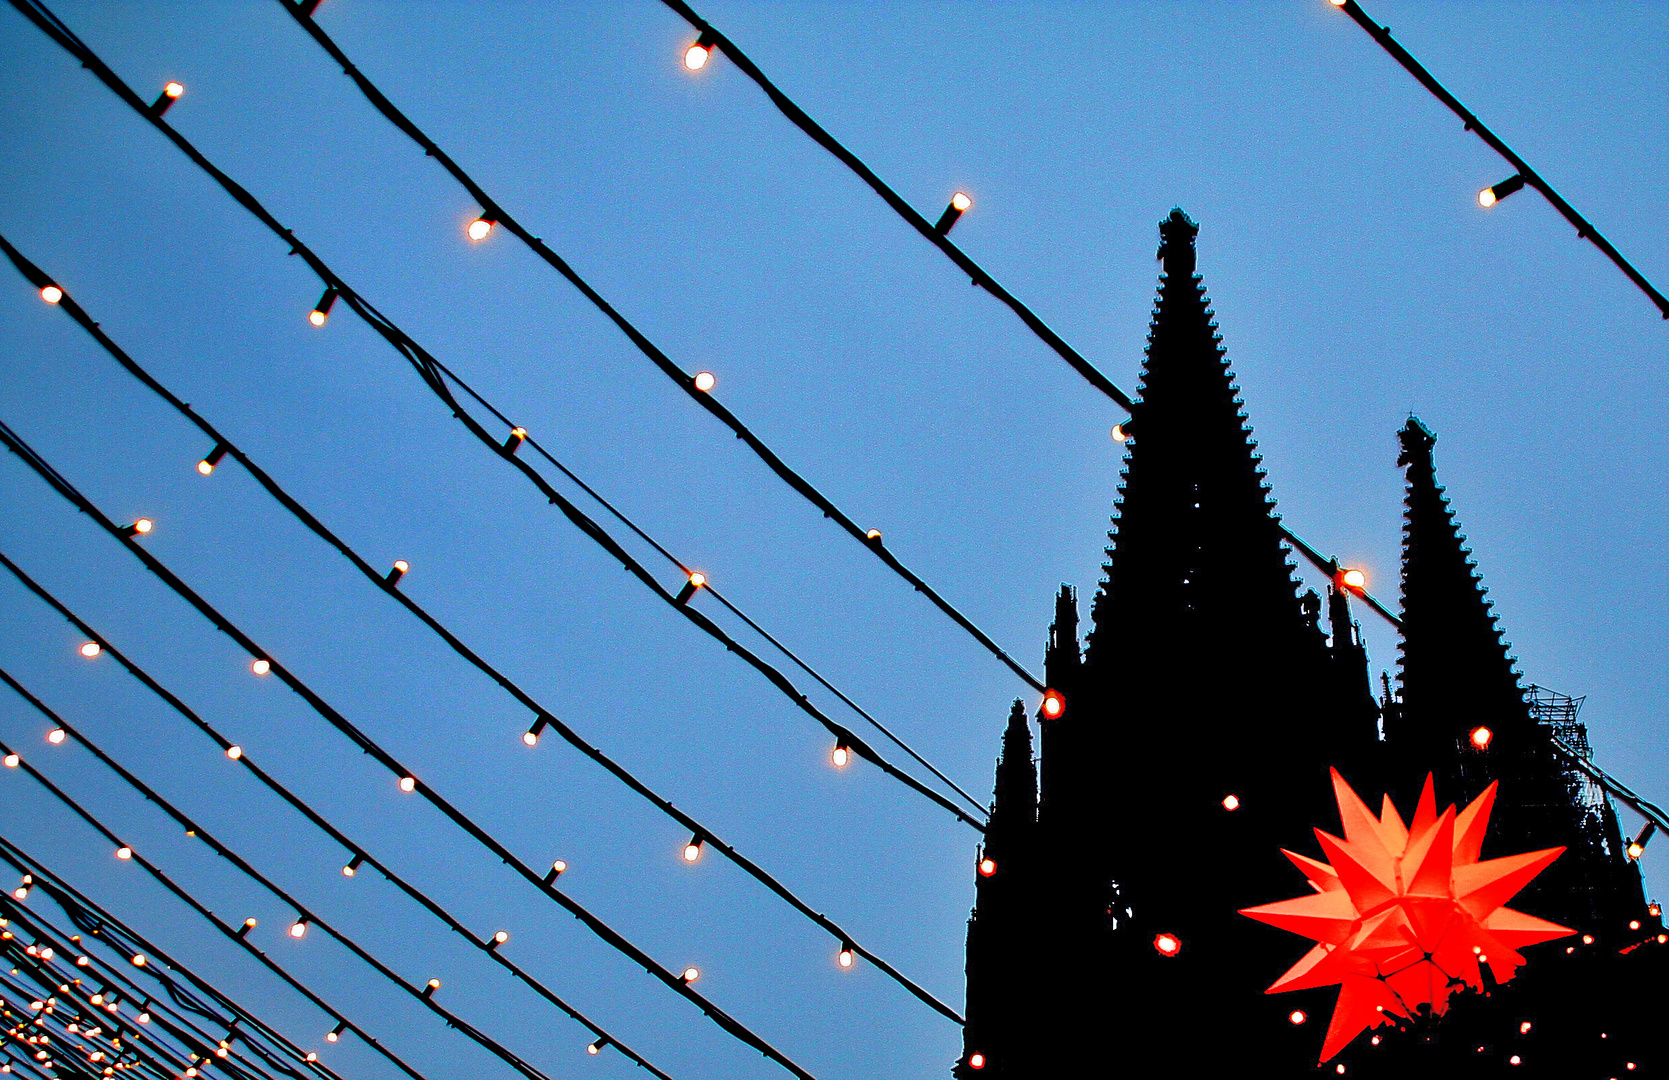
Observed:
{"x":1176,"y":244}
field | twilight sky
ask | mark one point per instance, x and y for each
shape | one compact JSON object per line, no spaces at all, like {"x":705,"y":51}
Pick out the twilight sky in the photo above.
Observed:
{"x":1354,"y":277}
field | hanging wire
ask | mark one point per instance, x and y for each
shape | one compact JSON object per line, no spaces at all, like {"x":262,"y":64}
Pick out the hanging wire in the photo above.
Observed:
{"x":1584,"y":228}
{"x":436,"y":375}
{"x":357,"y":851}
{"x":382,"y":757}
{"x":306,"y":916}
{"x":71,"y":307}
{"x":496,"y":211}
{"x":98,"y":923}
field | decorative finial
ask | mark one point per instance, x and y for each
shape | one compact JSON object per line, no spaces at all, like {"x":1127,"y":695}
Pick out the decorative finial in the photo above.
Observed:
{"x":1176,"y":244}
{"x":1417,"y":441}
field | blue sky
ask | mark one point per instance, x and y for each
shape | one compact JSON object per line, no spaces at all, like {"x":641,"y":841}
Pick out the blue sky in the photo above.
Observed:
{"x":1353,"y":274}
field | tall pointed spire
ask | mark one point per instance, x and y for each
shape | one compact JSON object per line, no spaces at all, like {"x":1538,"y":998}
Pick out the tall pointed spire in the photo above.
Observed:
{"x":1464,"y":715}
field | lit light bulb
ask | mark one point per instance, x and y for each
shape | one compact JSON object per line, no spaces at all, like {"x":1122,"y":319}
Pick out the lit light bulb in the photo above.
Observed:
{"x":1634,"y":924}
{"x":1587,"y":939}
{"x":559,"y":865}
{"x":872,"y":535}
{"x":143,"y":1018}
{"x":204,"y":467}
{"x":55,"y":736}
{"x":261,"y":667}
{"x":593,"y":1049}
{"x":332,"y":1036}
{"x":987,"y":866}
{"x":408,"y":784}
{"x":1486,"y":198}
{"x":961,"y":201}
{"x":1167,"y":944}
{"x":842,"y":756}
{"x":501,"y":937}
{"x":481,"y":228}
{"x":51,"y":293}
{"x":692,"y":850}
{"x":298,"y":929}
{"x":847,"y":956}
{"x":698,"y":579}
{"x":321,"y":310}
{"x":1119,"y":434}
{"x":139,"y":960}
{"x":976,"y":1061}
{"x":705,"y":381}
{"x":1481,"y":737}
{"x":691,"y":974}
{"x":1636,"y":849}
{"x":1355,"y":579}
{"x":352,"y":866}
{"x":696,"y":57}
{"x":91,"y":649}
{"x":1231,"y":802}
{"x":431,"y":987}
{"x":13,"y":761}
{"x":531,"y":738}
{"x":124,"y":852}
{"x":1054,"y":704}
{"x":1653,"y":910}
{"x":1338,"y":3}
{"x":1524,"y":1028}
{"x":234,"y":752}
{"x":317,"y":317}
{"x":1515,"y":1060}
{"x":173,"y":89}
{"x":1298,"y":1016}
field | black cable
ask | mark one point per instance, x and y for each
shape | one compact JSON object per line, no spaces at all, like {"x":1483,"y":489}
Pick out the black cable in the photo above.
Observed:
{"x":688,"y":822}
{"x":364,"y":742}
{"x":359,"y":853}
{"x":981,"y":277}
{"x":95,"y":920}
{"x":32,"y":272}
{"x":435,"y":375}
{"x":496,"y":211}
{"x":192,"y":902}
{"x":1584,"y":228}
{"x":312,"y":919}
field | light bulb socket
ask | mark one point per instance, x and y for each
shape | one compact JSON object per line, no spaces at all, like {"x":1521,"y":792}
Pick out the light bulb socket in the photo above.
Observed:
{"x":1639,"y":842}
{"x":353,"y":865}
{"x":695,"y":581}
{"x":305,"y":8}
{"x":536,"y":730}
{"x":395,"y":572}
{"x":514,"y":440}
{"x":214,"y":456}
{"x":336,"y":1032}
{"x":248,"y":925}
{"x":327,"y":300}
{"x":1506,"y":187}
{"x":597,"y":1047}
{"x":947,"y":219}
{"x":164,"y":101}
{"x":430,"y":987}
{"x":555,"y":871}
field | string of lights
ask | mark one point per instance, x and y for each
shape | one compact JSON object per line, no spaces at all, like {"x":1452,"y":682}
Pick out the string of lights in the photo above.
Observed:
{"x":222,"y":447}
{"x":148,"y":1050}
{"x":238,"y":934}
{"x":97,"y":922}
{"x":436,"y":375}
{"x":711,"y":37}
{"x":305,"y":917}
{"x":359,"y":856}
{"x":1525,"y":176}
{"x":848,"y":946}
{"x":262,"y":664}
{"x":698,"y":387}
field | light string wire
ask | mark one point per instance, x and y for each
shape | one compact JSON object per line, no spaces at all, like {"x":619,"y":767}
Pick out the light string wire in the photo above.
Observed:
{"x":305,"y":913}
{"x":192,"y":902}
{"x":358,"y":851}
{"x":327,"y":712}
{"x":545,"y":716}
{"x":95,"y":920}
{"x":28,"y":967}
{"x":435,"y":375}
{"x":158,"y":1016}
{"x":1584,"y":228}
{"x":494,"y":209}
{"x":981,"y":277}
{"x":149,"y":1052}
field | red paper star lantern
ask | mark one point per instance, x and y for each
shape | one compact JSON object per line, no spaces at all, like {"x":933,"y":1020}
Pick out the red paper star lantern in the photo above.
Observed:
{"x":1403,"y":910}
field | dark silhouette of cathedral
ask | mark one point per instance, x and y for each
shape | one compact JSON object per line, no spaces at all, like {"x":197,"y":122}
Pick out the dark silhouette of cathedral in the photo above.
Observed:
{"x":1202,"y":713}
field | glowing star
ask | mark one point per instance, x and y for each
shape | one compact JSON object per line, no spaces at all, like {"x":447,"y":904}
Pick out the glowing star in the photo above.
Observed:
{"x":1405,"y":913}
